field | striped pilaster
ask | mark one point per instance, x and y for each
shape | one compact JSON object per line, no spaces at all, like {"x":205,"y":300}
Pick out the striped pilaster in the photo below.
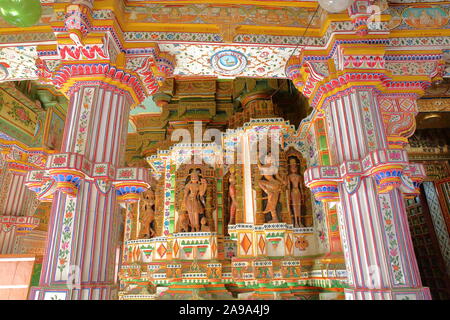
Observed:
{"x":374,"y":230}
{"x":7,"y":238}
{"x":84,"y":230}
{"x":15,"y":192}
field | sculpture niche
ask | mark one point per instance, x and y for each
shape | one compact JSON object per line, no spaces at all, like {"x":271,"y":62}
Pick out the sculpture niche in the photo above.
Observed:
{"x":147,"y":214}
{"x":272,"y":184}
{"x":294,"y":193}
{"x":232,"y":196}
{"x":193,"y":217}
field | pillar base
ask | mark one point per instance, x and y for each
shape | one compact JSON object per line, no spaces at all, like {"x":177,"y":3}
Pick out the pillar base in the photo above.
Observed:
{"x":388,"y":294}
{"x":78,"y":292}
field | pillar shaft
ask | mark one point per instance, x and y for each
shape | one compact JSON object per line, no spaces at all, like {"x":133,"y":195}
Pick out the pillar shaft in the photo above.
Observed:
{"x":13,"y":193}
{"x":374,"y":229}
{"x":83,"y":230}
{"x":15,"y":200}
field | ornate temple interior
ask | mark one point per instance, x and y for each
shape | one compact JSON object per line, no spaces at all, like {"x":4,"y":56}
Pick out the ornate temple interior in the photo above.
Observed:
{"x":183,"y":150}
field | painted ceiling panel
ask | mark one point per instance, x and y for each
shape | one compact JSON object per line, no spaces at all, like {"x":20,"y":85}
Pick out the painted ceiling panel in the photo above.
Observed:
{"x":229,"y":61}
{"x":18,"y":63}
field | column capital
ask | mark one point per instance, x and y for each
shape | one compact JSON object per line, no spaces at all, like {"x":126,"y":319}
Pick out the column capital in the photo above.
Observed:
{"x":95,"y":49}
{"x":40,"y":182}
{"x":130,"y":183}
{"x":323,"y":74}
{"x":387,"y":166}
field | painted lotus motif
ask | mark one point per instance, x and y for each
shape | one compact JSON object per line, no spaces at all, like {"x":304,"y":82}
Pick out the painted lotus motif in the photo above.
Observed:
{"x":19,"y":113}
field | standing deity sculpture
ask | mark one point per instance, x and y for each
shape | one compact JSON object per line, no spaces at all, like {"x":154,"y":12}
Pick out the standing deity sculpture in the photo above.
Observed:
{"x":147,"y":214}
{"x":232,"y":195}
{"x":294,"y":192}
{"x":194,"y":200}
{"x":272,"y":186}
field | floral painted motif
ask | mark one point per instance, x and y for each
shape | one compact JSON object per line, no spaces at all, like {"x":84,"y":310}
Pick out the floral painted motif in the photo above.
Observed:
{"x":18,"y":63}
{"x":20,"y":114}
{"x":59,"y":161}
{"x":320,"y":224}
{"x":168,"y":198}
{"x":391,"y":238}
{"x":329,"y":172}
{"x":368,"y":122}
{"x":351,"y":184}
{"x":100,"y":170}
{"x":66,"y":236}
{"x":126,"y":173}
{"x":88,"y":98}
{"x":412,"y":68}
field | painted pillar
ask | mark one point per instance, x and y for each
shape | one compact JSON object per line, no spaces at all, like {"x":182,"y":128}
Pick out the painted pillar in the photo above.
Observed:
{"x":374,"y":228}
{"x":17,"y":203}
{"x":82,"y":235}
{"x":15,"y":198}
{"x":368,"y":100}
{"x":102,"y":80}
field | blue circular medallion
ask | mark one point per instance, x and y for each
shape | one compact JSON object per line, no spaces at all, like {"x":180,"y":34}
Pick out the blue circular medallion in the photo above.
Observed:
{"x":228,"y":62}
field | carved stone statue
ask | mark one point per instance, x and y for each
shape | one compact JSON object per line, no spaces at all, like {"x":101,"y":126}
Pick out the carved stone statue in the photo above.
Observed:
{"x":147,"y":214}
{"x":232,"y":194}
{"x":205,"y":227}
{"x":272,"y":186}
{"x":194,"y":192}
{"x":295,"y":194}
{"x":182,"y":223}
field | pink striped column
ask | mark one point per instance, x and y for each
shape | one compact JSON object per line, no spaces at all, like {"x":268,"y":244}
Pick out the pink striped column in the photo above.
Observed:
{"x":373,"y":224}
{"x":13,"y":192}
{"x":83,"y":230}
{"x":7,"y":238}
{"x":13,"y":202}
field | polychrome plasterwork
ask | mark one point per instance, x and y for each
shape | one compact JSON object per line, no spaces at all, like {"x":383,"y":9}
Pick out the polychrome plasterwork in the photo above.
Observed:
{"x":17,"y":114}
{"x":419,"y":17}
{"x":18,"y":63}
{"x":214,"y":14}
{"x":446,"y":57}
{"x":228,"y":61}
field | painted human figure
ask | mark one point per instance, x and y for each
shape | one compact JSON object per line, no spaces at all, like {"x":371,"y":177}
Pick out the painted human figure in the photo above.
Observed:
{"x":193,"y":194}
{"x":147,"y":214}
{"x":295,"y":194}
{"x":232,"y":194}
{"x":272,"y":186}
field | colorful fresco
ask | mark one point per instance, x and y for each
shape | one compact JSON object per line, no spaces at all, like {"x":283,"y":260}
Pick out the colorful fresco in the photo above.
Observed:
{"x":425,"y":17}
{"x":214,"y":14}
{"x":54,"y":131}
{"x":446,"y":57}
{"x":17,"y":114}
{"x":419,"y":17}
{"x":18,"y":63}
{"x":228,"y":61}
